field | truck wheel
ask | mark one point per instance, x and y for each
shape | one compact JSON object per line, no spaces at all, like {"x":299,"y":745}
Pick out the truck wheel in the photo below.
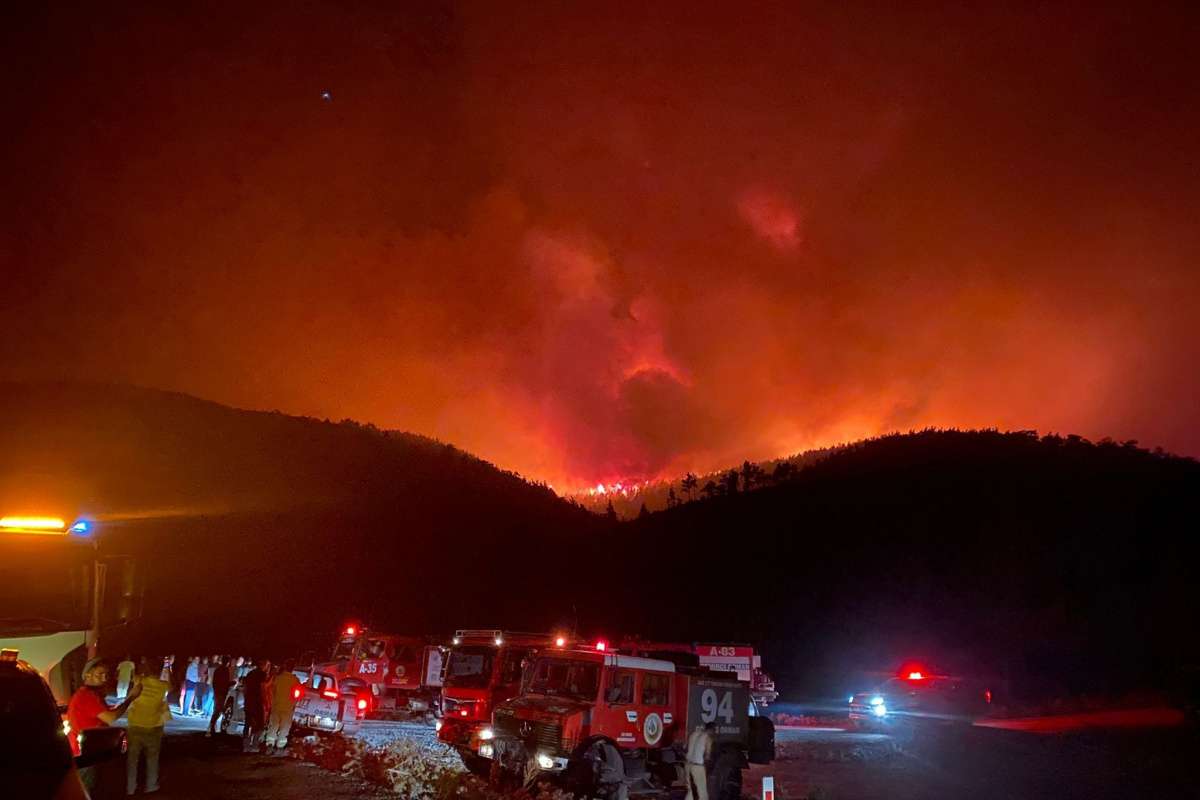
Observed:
{"x":725,"y":780}
{"x":475,"y":764}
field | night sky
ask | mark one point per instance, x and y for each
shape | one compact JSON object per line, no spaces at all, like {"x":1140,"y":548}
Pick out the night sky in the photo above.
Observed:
{"x":598,"y":243}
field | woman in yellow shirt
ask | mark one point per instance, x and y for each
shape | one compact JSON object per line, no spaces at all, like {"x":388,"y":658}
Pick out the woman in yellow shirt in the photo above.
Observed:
{"x":147,"y":716}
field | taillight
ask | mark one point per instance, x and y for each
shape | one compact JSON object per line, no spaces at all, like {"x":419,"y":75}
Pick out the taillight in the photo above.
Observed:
{"x":362,"y":704}
{"x":296,"y":693}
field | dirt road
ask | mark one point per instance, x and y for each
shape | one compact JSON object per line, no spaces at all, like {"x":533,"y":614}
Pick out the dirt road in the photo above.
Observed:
{"x":198,"y":768}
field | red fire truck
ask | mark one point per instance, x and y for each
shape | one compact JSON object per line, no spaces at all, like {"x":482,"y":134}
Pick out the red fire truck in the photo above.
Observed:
{"x":398,"y":676}
{"x":483,"y":668}
{"x":578,"y":706}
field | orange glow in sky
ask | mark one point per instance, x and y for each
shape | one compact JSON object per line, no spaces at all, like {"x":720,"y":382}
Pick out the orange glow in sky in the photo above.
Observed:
{"x":598,"y":248}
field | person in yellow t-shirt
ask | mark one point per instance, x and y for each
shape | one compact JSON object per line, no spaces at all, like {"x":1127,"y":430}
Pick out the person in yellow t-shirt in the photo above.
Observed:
{"x":283,"y":701}
{"x":147,"y":715}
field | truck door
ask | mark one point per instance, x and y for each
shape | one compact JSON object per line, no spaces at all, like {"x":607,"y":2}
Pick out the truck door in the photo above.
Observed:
{"x":658,"y":725}
{"x":618,"y":716}
{"x":433,"y":666}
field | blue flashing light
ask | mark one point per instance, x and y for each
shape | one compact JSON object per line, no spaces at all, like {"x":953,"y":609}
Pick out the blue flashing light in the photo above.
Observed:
{"x":876,"y":701}
{"x":81,"y":528}
{"x":851,"y":700}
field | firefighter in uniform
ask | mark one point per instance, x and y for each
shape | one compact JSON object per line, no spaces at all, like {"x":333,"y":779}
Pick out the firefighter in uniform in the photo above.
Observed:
{"x":283,"y":703}
{"x":699,"y":749}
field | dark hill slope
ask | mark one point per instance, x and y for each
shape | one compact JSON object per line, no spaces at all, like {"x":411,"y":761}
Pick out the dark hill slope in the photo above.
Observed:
{"x":262,"y":529}
{"x":1050,"y":560}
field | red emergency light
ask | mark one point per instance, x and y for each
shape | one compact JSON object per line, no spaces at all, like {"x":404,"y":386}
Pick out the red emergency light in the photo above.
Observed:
{"x":914,"y":671}
{"x":296,"y":692}
{"x":351,"y":630}
{"x":601,"y":645}
{"x":329,"y":694}
{"x":560,"y":641}
{"x":362,"y":704}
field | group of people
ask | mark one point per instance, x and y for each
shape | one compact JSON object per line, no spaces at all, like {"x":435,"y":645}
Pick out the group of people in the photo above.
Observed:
{"x":144,"y":690}
{"x":269,"y":695}
{"x":201,"y":683}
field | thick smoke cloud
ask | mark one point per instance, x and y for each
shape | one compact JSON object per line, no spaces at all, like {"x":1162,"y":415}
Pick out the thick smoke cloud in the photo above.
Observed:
{"x":603,"y":244}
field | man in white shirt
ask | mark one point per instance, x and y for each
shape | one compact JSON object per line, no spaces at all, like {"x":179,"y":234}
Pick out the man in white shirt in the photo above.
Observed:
{"x":699,"y":749}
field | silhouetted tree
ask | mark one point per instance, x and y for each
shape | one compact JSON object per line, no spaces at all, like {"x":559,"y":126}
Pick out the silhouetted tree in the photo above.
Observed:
{"x":784,"y":472}
{"x":645,"y":512}
{"x":688,"y":484}
{"x":729,"y":482}
{"x":752,"y":475}
{"x":610,"y":512}
{"x":711,"y":490}
{"x":672,"y":499}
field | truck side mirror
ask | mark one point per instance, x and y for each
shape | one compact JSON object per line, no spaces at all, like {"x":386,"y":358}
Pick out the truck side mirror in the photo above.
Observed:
{"x":97,"y":745}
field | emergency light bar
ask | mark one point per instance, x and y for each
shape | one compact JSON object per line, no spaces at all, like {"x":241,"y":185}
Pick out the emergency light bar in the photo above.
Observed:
{"x":50,"y":525}
{"x":46,"y":526}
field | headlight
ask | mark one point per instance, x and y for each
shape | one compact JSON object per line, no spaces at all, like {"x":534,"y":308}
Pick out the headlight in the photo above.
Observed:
{"x":876,"y":701}
{"x":880,"y":710}
{"x":486,"y":734}
{"x":545,"y":761}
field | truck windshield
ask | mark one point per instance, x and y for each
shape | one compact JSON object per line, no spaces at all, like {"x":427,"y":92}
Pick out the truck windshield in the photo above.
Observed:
{"x":45,"y":586}
{"x":560,"y":677}
{"x":470,"y":667}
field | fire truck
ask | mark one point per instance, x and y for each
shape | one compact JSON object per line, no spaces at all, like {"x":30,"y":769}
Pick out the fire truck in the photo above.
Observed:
{"x":483,"y":668}
{"x":63,"y":598}
{"x":576,"y":706}
{"x":398,"y":676}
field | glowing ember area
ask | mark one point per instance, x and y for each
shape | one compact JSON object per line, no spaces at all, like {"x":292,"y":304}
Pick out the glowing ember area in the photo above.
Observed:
{"x":602,"y":249}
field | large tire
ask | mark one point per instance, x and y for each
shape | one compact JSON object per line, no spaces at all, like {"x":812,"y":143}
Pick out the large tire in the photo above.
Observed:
{"x":725,"y":780}
{"x":475,"y":764}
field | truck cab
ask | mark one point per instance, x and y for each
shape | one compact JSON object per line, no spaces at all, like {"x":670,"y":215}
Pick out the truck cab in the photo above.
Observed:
{"x":483,"y":667}
{"x":575,"y":705}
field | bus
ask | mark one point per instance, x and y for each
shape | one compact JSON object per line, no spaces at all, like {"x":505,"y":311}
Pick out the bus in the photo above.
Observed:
{"x":63,"y":599}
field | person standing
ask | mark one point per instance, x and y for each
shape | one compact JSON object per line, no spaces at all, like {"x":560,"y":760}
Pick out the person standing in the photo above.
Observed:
{"x":88,"y":709}
{"x":191,"y":683}
{"x":124,"y":677}
{"x":204,"y":690}
{"x":283,"y":703}
{"x":252,"y":706}
{"x":222,"y":682}
{"x":165,"y":675}
{"x":699,"y":749}
{"x":147,"y":716}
